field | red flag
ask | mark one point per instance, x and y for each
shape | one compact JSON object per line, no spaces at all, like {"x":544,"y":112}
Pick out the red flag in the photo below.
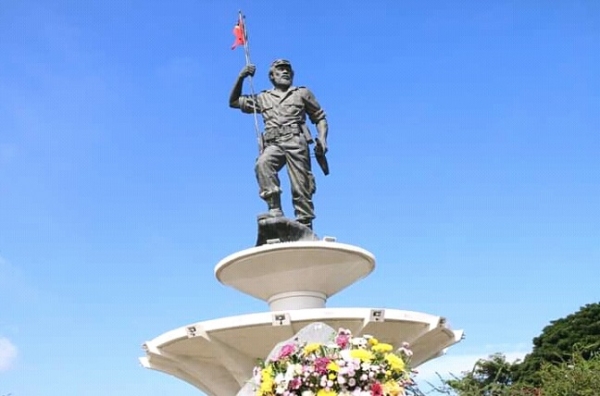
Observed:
{"x":240,"y":34}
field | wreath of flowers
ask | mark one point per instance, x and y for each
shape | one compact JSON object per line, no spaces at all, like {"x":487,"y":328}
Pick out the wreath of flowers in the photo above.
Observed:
{"x":348,"y":366}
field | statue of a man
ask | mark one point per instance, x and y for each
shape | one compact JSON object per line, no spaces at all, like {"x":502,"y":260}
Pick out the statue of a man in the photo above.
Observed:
{"x":286,"y":137}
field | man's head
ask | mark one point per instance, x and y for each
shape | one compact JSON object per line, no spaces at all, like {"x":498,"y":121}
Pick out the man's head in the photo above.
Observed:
{"x":281,"y":73}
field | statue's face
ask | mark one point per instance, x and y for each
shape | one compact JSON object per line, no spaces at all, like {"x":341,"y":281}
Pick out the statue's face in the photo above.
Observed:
{"x":282,"y":76}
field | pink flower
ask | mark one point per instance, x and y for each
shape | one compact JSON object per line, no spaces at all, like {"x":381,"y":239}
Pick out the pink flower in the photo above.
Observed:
{"x":286,"y":351}
{"x":376,"y":389}
{"x":321,"y":365}
{"x":342,"y":340}
{"x":295,"y":383}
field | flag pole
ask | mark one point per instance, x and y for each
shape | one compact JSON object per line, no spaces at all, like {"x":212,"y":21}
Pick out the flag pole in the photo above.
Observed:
{"x":242,"y":22}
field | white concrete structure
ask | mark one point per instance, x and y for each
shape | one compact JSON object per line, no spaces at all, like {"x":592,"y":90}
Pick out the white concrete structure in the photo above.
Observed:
{"x":295,"y":279}
{"x":295,"y":275}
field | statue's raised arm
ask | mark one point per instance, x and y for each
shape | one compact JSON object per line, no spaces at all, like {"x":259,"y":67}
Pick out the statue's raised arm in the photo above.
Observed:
{"x":236,"y":91}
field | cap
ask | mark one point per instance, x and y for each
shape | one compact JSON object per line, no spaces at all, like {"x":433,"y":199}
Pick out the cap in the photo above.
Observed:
{"x":280,"y":62}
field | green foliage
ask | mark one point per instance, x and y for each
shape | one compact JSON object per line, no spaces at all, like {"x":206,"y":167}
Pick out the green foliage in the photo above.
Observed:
{"x":493,"y":376}
{"x":579,"y":376}
{"x":580,"y":330}
{"x":488,"y":377}
{"x":565,"y":361}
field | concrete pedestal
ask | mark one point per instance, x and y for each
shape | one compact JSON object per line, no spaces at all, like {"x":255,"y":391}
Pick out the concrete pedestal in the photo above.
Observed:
{"x":295,"y":279}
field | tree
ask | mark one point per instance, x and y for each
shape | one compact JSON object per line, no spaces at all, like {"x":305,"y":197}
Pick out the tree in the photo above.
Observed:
{"x":493,"y":376}
{"x":566,"y":355}
{"x":578,"y":331}
{"x":579,"y":376}
{"x":489,"y":377}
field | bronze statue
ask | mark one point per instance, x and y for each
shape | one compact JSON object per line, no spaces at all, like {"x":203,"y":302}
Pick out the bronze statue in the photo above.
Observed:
{"x":286,"y":138}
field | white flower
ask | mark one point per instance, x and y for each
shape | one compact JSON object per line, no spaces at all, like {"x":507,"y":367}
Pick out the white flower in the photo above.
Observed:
{"x":280,"y":389}
{"x":405,"y":351}
{"x":292,"y":370}
{"x":308,"y":393}
{"x":359,"y":341}
{"x":345,"y":354}
{"x":279,"y":378}
{"x":323,"y":381}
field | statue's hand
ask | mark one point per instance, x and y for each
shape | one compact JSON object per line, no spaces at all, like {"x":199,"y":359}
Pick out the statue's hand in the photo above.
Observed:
{"x":321,"y":146}
{"x":248,"y":70}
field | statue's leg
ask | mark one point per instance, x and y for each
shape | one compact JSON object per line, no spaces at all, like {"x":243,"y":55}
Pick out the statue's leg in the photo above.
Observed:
{"x":268,"y":164}
{"x":301,"y":178}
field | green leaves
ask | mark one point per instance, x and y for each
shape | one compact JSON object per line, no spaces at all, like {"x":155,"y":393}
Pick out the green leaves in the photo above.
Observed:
{"x":565,"y":361}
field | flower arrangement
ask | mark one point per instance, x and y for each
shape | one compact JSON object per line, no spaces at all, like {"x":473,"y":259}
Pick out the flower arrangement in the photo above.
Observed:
{"x":347,"y":366}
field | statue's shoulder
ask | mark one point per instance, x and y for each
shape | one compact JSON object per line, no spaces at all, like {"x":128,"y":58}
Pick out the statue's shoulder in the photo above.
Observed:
{"x":303,"y":90}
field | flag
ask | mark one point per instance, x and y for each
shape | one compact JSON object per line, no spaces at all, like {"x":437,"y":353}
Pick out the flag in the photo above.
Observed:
{"x":240,"y":34}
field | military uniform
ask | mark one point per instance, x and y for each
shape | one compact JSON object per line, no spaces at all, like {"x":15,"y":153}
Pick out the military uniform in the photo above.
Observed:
{"x":286,"y":139}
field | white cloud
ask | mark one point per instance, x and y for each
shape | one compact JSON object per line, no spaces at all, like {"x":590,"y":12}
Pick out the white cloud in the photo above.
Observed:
{"x":454,"y":365}
{"x":8,"y":354}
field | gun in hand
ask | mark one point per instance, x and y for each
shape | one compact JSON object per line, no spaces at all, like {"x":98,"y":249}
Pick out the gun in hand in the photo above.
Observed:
{"x":321,"y":158}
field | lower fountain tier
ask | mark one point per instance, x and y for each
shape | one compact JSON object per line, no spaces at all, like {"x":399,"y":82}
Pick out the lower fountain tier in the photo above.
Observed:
{"x":217,"y":356}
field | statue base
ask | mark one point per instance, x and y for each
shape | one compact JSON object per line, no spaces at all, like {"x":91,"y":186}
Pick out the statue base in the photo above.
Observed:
{"x":281,"y":229}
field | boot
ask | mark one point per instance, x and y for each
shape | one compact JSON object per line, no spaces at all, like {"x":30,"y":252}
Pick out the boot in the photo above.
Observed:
{"x":274,"y":202}
{"x":305,"y":222}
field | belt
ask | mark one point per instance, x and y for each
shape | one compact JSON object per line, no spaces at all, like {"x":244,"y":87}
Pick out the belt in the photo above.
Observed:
{"x":285,"y":130}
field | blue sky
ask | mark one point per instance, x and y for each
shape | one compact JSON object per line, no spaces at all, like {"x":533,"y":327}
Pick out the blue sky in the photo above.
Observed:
{"x":464,"y":150}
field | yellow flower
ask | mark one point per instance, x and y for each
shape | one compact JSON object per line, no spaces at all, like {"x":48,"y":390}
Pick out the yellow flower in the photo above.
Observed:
{"x":310,"y":348}
{"x":395,"y":362}
{"x":323,"y":392}
{"x":392,"y":388}
{"x":362,"y":354}
{"x":266,"y":373}
{"x":332,"y":366}
{"x":373,"y":341}
{"x":382,"y":347}
{"x":266,"y":386}
{"x":266,"y":381}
